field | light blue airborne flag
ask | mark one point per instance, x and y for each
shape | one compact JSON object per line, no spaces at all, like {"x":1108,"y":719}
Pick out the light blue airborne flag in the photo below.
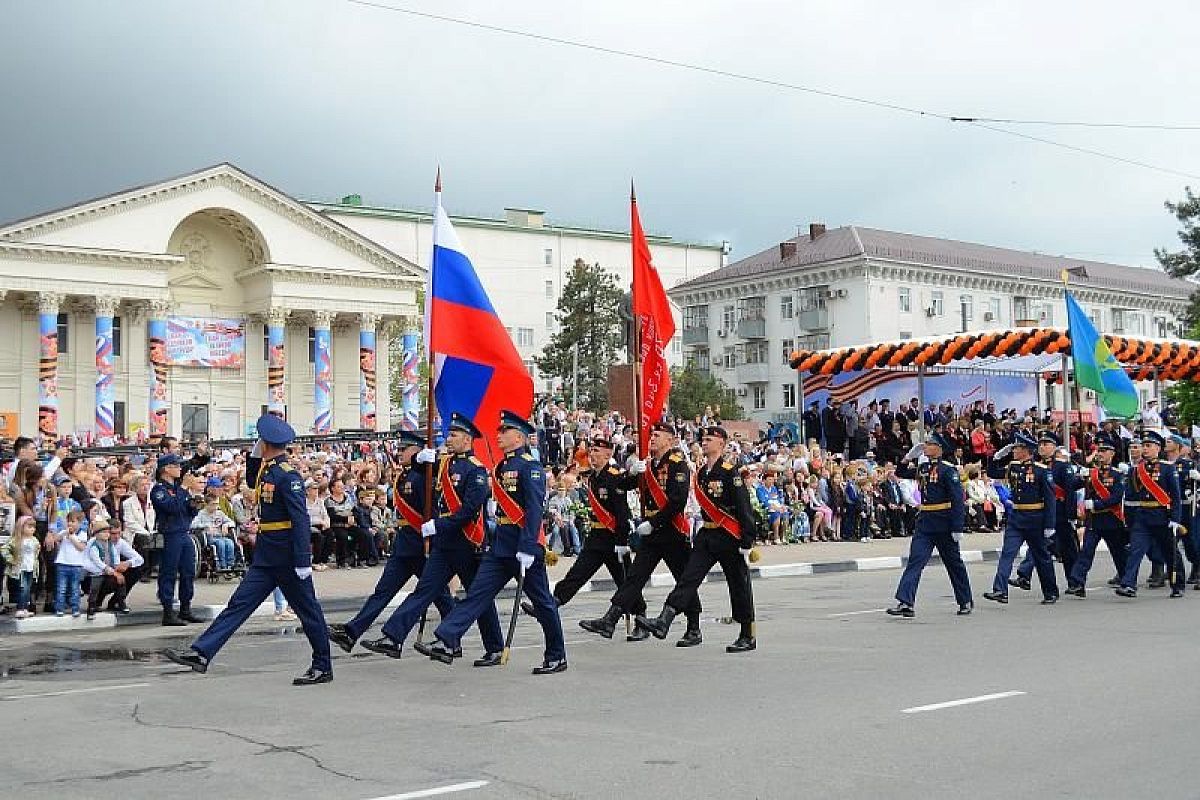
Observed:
{"x":1095,"y":366}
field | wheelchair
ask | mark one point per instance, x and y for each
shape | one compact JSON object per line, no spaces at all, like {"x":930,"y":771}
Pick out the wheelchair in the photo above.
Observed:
{"x":207,"y":562}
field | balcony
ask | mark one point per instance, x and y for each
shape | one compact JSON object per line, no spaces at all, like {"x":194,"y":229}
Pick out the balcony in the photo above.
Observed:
{"x":697,"y":335}
{"x":752,"y":329}
{"x":813,"y":319}
{"x":1023,"y":322}
{"x":758,"y":372}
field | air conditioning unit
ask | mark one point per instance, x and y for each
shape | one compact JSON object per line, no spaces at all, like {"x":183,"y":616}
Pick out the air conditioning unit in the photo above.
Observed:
{"x":1043,"y":316}
{"x":931,"y":312}
{"x":988,"y":316}
{"x":831,"y":294}
{"x":741,"y":392}
{"x":842,"y":293}
{"x":722,"y":333}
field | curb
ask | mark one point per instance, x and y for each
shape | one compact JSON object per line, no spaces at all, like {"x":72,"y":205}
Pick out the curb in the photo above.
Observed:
{"x":48,"y":623}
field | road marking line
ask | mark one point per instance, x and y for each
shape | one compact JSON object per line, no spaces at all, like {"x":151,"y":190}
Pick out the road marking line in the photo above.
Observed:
{"x":856,"y":613}
{"x":438,"y":790}
{"x":983,"y":698}
{"x":75,"y":691}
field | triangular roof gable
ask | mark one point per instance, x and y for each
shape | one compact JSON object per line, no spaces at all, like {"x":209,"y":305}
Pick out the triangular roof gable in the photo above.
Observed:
{"x":50,"y":227}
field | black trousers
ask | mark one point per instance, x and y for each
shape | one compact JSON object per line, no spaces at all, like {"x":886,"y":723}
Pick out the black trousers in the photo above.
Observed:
{"x":668,"y":546}
{"x":100,"y":586}
{"x":597,"y":552}
{"x":713,"y":546}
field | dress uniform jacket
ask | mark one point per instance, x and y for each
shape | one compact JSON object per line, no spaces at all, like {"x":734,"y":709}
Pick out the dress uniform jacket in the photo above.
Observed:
{"x":284,"y":534}
{"x":606,"y":486}
{"x":942,"y":507}
{"x":1031,"y":492}
{"x":521,"y":476}
{"x":723,"y":485}
{"x":672,"y":472}
{"x":469,"y":477}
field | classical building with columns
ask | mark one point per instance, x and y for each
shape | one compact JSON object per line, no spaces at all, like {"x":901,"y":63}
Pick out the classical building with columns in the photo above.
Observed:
{"x":189,"y":306}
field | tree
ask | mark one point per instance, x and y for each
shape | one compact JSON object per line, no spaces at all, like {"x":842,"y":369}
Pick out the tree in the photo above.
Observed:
{"x":693,"y":389}
{"x":1186,"y":394}
{"x":1185,"y":263}
{"x":587,"y":318}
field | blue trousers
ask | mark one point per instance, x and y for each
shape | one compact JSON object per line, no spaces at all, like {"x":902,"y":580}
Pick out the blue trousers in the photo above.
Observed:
{"x":178,"y":558}
{"x":1117,"y":540}
{"x":396,"y":572}
{"x":1066,"y":546}
{"x":1144,"y":537}
{"x":494,"y":573}
{"x":919,"y":551}
{"x":254,"y":589}
{"x":439,"y":568}
{"x":1033,"y":538}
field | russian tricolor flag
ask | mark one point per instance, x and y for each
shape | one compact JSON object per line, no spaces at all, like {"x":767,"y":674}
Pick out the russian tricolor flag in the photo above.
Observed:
{"x":477,"y":370}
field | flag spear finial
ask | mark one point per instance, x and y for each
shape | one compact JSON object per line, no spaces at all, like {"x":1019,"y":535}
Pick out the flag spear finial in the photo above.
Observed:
{"x":437,"y":182}
{"x":632,"y":194}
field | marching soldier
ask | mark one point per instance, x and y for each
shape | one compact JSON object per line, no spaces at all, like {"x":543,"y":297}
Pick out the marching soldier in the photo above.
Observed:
{"x":607,"y":541}
{"x":1104,"y":503}
{"x":457,"y":538}
{"x":1031,"y":520}
{"x":518,"y":552}
{"x":663,"y":535}
{"x":408,"y":549}
{"x":939,"y":524}
{"x":1066,"y":483}
{"x":1179,"y":453}
{"x":282,"y":558}
{"x":726,"y":538}
{"x":1155,"y":508}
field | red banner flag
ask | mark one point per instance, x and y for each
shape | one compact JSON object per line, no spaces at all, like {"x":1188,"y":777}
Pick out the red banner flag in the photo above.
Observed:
{"x":656,"y":326}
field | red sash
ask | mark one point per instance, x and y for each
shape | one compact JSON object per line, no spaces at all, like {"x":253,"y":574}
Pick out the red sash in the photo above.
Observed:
{"x":411,"y":518}
{"x":473,"y":530}
{"x":604,"y":517}
{"x":727,"y":523}
{"x":1103,"y":493}
{"x":659,"y":495}
{"x":1159,"y":493}
{"x":512,"y":509}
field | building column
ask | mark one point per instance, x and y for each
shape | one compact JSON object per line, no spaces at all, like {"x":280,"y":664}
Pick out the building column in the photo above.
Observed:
{"x":105,"y":410}
{"x":156,"y":345}
{"x":322,"y":373}
{"x":410,"y":377}
{"x":48,"y":304}
{"x":276,"y":361}
{"x":366,"y":371}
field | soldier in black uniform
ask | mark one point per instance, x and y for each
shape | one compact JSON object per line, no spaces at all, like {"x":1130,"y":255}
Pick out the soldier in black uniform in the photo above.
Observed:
{"x":607,"y":543}
{"x":726,"y":538}
{"x":1104,"y":503}
{"x":663,"y":535}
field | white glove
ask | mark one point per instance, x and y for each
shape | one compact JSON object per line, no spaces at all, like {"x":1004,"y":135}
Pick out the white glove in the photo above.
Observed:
{"x":956,"y":536}
{"x":1003,"y":451}
{"x":1194,"y":474}
{"x":1122,"y":468}
{"x":637,"y":466}
{"x":923,"y":459}
{"x":426,"y":456}
{"x":621,"y":550}
{"x":745,"y":551}
{"x":525,"y":560}
{"x":303,"y":573}
{"x":1082,"y":471}
{"x":913,"y":451}
{"x":1178,"y":528}
{"x":1089,"y":505}
{"x":256,"y":451}
{"x":644,"y":528}
{"x":1048,"y":533}
{"x":428,"y":528}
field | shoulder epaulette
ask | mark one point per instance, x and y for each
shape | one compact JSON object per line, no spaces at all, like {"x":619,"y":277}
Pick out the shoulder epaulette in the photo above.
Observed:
{"x":676,"y":457}
{"x":476,"y":461}
{"x":614,"y":471}
{"x":527,"y":456}
{"x":727,"y":464}
{"x":286,"y":467}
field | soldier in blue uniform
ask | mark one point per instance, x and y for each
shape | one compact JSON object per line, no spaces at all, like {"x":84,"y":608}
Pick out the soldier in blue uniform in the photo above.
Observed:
{"x":408,"y":549}
{"x":1155,"y":508}
{"x":456,"y":541}
{"x":939,"y":524}
{"x":282,"y":558}
{"x":174,"y":509}
{"x":1031,"y":519}
{"x":1104,"y":493}
{"x":1066,"y":482}
{"x":519,"y":549}
{"x":1179,"y":453}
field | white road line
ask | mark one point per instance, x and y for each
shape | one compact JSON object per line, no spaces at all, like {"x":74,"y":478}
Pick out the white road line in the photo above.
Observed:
{"x":856,"y":613}
{"x":983,"y":698}
{"x":75,"y":691}
{"x":437,"y":790}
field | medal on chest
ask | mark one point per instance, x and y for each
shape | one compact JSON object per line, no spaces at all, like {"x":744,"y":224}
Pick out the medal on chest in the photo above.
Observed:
{"x":715,"y":488}
{"x":509,"y":480}
{"x":268,"y":492}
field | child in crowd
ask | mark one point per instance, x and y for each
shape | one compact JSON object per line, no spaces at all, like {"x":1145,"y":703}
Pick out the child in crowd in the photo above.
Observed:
{"x":367,"y":533}
{"x":68,"y":565}
{"x":383,"y":520}
{"x":20,"y":556}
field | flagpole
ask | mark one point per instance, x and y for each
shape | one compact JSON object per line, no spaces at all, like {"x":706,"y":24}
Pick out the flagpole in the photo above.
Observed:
{"x":1066,"y":375}
{"x":437,"y":193}
{"x":637,"y":331}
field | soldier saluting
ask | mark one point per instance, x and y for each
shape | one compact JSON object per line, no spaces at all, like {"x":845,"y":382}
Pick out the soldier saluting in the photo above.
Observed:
{"x":725,"y":538}
{"x":663,"y":535}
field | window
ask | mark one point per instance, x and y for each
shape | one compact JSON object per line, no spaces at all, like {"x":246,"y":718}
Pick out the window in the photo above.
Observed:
{"x":789,"y":395}
{"x":1094,"y":316}
{"x":1119,"y":320}
{"x":549,"y":290}
{"x":194,"y":421}
{"x":1021,"y":310}
{"x":262,"y":409}
{"x":266,"y":344}
{"x":530,"y":367}
{"x":1160,"y":327}
{"x":548,"y":257}
{"x":785,"y":306}
{"x":994,"y":309}
{"x":695,"y":316}
{"x":1137,"y":324}
{"x":753,"y":308}
{"x":905,"y":334}
{"x":905,"y":300}
{"x":788,"y":346}
{"x":813,"y":298}
{"x":549,"y":320}
{"x":312,"y":345}
{"x":728,"y":318}
{"x":754,"y":352}
{"x":676,"y":344}
{"x":759,"y":391}
{"x":937,"y":303}
{"x":119,"y":417}
{"x":116,"y":344}
{"x":966,"y":305}
{"x":64,"y":333}
{"x":728,"y":358}
{"x":814,"y":341}
{"x":524,"y":337}
{"x":1046,"y":314}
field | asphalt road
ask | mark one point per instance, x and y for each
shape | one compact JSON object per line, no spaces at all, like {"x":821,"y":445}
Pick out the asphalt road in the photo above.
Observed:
{"x":1094,"y":698}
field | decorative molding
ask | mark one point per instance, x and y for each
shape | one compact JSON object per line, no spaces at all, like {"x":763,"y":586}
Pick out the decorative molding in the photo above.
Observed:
{"x":161,"y":309}
{"x":322,"y":319}
{"x":277,"y":316}
{"x":106,"y":305}
{"x":368,"y":321}
{"x":85,"y":255}
{"x":292,"y":274}
{"x":49,"y":302}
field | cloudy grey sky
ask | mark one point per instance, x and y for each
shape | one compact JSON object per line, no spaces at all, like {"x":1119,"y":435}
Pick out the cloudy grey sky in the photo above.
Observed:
{"x":323,"y":98}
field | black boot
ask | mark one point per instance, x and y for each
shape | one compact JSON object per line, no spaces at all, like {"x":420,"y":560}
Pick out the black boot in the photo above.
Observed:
{"x":638,"y":634}
{"x":691,"y":637}
{"x":659,"y":626}
{"x":170,"y":619}
{"x":1157,"y":579}
{"x":603,"y":625}
{"x":1020,"y":582}
{"x":185,"y":614}
{"x":338,"y":635}
{"x":188,"y":658}
{"x":745,"y":641}
{"x":527,"y":607}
